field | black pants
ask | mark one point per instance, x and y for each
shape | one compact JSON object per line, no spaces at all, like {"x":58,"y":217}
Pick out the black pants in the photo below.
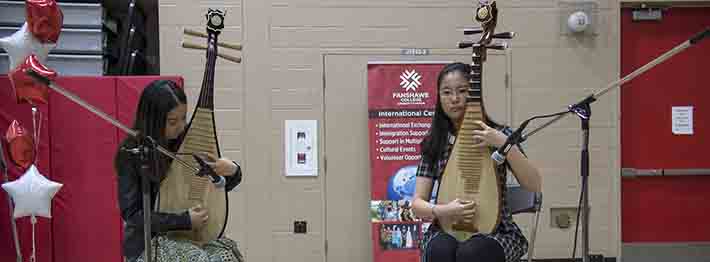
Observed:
{"x":445,"y":248}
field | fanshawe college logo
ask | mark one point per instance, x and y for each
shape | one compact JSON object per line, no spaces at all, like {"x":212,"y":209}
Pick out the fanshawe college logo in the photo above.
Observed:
{"x":410,"y":81}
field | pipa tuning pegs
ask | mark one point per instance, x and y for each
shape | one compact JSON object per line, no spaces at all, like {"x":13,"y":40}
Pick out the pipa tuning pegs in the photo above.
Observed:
{"x":498,"y":46}
{"x":504,"y":35}
{"x":472,"y":31}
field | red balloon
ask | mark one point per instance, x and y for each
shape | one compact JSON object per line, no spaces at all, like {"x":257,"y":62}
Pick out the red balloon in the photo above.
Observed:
{"x":26,"y":89}
{"x":21,"y":145}
{"x":45,"y":19}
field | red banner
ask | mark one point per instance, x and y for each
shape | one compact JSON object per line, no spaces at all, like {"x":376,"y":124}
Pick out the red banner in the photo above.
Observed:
{"x":401,"y":102}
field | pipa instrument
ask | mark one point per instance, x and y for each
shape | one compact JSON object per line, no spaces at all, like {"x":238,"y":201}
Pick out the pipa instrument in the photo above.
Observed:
{"x":182,"y":188}
{"x":470,"y":173}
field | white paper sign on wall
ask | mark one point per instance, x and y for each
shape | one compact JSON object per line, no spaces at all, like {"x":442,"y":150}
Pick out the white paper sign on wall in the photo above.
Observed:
{"x":301,"y":147}
{"x":682,"y":120}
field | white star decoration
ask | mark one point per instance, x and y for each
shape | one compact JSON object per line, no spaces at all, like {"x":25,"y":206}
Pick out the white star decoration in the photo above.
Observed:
{"x":21,"y":44}
{"x":32,"y":194}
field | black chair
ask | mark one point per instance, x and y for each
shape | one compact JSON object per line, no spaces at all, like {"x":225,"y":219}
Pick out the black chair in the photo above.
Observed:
{"x":523,"y":201}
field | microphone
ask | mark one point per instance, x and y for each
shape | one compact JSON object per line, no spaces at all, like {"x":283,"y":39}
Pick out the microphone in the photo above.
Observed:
{"x":699,"y":36}
{"x":206,"y":170}
{"x":514,"y":138}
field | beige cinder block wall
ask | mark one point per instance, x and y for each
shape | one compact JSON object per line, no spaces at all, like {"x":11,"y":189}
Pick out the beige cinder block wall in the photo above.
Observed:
{"x":282,"y":76}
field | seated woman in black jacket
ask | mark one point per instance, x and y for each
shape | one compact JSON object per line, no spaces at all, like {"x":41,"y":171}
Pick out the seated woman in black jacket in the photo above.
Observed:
{"x":161,"y":115}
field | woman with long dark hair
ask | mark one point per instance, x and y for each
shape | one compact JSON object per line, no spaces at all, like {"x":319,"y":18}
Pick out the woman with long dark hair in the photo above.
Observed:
{"x":506,"y":243}
{"x":161,"y":115}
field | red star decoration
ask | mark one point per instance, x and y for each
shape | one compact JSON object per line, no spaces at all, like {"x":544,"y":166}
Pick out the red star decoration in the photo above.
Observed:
{"x":26,"y":89}
{"x":45,"y":19}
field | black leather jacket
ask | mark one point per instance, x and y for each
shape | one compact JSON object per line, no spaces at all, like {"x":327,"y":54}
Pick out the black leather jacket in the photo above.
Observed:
{"x":130,"y":199}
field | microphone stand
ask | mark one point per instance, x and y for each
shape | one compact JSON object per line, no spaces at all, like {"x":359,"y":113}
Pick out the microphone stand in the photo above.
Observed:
{"x":145,"y":151}
{"x":583,"y":110}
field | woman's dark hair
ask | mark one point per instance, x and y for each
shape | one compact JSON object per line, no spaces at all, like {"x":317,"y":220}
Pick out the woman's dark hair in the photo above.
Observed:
{"x":156,"y":101}
{"x":441,"y":124}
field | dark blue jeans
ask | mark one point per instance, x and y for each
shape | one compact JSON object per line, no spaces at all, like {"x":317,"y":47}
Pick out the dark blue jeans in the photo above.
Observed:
{"x":442,"y":247}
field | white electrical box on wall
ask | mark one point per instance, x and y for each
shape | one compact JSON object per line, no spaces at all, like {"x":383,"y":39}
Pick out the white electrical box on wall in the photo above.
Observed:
{"x":301,"y":148}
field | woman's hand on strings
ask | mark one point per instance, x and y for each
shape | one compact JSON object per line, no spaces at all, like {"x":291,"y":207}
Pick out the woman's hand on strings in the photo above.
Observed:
{"x":487,"y":136}
{"x":469,"y":212}
{"x":221,"y":166}
{"x":457,"y":210}
{"x":198,"y":216}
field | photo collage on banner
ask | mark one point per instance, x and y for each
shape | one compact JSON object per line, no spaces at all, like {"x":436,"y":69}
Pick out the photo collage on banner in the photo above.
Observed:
{"x":401,"y":103}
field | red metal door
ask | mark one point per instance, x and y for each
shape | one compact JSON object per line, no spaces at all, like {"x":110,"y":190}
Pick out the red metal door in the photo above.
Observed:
{"x":666,"y":184}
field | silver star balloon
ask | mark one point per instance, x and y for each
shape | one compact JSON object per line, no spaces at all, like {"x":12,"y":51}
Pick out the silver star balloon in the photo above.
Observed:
{"x":21,"y":44}
{"x":32,"y":194}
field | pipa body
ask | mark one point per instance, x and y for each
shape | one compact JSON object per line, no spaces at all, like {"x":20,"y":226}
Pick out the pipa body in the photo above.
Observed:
{"x":470,"y":173}
{"x":182,"y":189}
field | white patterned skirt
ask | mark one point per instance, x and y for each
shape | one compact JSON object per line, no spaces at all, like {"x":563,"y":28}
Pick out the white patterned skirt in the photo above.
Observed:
{"x":219,"y":250}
